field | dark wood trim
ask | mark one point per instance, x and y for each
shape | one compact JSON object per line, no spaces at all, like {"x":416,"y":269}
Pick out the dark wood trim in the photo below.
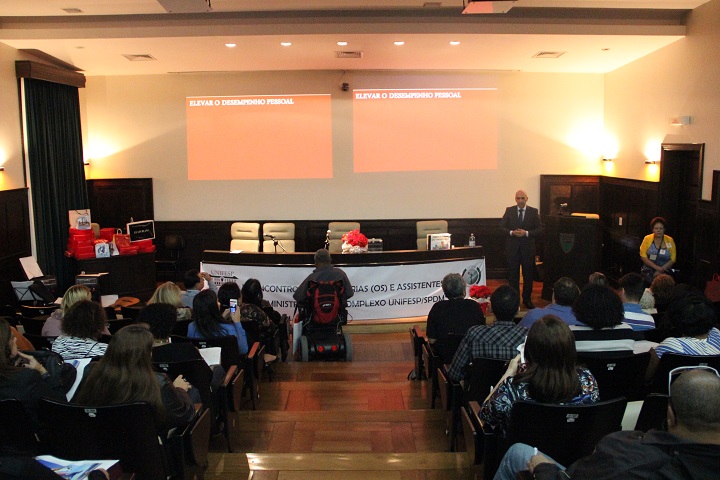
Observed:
{"x":48,"y":73}
{"x":14,"y":239}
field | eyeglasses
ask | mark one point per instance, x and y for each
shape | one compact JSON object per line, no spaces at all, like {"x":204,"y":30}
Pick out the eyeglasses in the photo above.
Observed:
{"x":676,"y":372}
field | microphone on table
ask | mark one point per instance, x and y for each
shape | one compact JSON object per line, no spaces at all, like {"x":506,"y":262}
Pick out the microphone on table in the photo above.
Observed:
{"x":271,"y":237}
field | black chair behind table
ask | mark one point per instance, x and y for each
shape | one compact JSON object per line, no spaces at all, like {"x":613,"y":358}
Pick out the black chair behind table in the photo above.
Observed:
{"x":32,"y":311}
{"x":653,"y":413}
{"x":431,"y":362}
{"x":473,"y":435}
{"x":125,"y":432}
{"x":16,"y":435}
{"x":230,"y":355}
{"x":33,"y":325}
{"x":482,"y":375}
{"x":117,"y":324}
{"x":564,"y":432}
{"x":416,"y":343}
{"x":167,"y":266}
{"x":617,"y":375}
{"x":110,"y":313}
{"x":130,"y":311}
{"x":451,"y":394}
{"x":200,"y":376}
{"x":39,"y":342}
{"x":670,"y":361}
{"x":181,"y":327}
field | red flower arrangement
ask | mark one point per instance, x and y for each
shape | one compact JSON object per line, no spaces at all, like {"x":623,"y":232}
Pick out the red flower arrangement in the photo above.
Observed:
{"x":479,"y":291}
{"x":355,"y":239}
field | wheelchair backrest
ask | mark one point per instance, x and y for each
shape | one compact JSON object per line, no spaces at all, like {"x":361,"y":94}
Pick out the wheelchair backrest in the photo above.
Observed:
{"x":324,"y":300}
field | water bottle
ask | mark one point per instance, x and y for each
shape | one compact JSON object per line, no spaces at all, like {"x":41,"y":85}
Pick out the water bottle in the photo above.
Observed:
{"x":471,"y":242}
{"x":327,"y":240}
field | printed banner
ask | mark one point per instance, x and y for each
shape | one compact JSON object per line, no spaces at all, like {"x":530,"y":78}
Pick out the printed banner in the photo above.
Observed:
{"x":381,"y":291}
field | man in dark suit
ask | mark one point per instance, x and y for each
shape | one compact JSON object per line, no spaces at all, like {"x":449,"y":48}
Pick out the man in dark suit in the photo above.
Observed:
{"x":521,"y":224}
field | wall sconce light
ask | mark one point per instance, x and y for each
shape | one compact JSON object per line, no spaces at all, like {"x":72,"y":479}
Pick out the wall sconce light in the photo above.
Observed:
{"x":680,"y":120}
{"x":86,"y":162}
{"x":651,"y":162}
{"x":2,"y":168}
{"x":607,"y":159}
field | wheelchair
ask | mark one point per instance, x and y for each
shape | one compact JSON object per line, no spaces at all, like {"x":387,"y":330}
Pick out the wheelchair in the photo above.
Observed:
{"x":323,"y":316}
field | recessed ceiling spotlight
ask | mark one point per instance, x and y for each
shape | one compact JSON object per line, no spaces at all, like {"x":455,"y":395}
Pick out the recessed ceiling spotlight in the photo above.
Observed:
{"x":230,"y":45}
{"x":285,"y":44}
{"x":399,"y":44}
{"x":342,"y":44}
{"x":454,"y":42}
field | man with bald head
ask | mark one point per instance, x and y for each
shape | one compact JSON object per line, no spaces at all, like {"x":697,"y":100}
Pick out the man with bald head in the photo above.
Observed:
{"x":689,"y":449}
{"x":521,"y":225}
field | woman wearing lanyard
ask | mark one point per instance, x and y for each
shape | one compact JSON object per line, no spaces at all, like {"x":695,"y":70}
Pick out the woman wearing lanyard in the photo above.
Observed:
{"x":657,"y":251}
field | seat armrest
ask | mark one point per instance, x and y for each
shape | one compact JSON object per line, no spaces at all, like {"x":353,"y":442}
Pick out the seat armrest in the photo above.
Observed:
{"x":232,"y":371}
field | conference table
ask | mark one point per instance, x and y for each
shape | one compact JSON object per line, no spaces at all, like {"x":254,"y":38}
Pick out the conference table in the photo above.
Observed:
{"x":386,"y":285}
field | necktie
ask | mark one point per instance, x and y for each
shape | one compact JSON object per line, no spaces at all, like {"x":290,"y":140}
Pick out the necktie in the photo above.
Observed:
{"x":520,"y":214}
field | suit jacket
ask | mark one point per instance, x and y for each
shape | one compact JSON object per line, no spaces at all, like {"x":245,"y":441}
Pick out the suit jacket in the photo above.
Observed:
{"x":531,"y":223}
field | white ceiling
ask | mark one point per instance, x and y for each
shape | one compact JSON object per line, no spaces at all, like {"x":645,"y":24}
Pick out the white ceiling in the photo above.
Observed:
{"x":597,"y":36}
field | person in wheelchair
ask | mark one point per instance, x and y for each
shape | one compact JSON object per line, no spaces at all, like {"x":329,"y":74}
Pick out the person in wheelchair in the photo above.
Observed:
{"x":322,"y":304}
{"x":325,"y":272}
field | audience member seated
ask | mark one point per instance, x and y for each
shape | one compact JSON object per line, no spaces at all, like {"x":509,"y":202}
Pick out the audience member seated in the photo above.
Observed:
{"x":251,"y":309}
{"x":549,"y":375}
{"x":690,"y":449}
{"x":324,"y":272}
{"x":598,"y":278}
{"x":693,"y":318}
{"x":631,"y":289}
{"x":454,"y":315}
{"x":53,"y":325}
{"x":565,"y":292}
{"x":160,"y":319}
{"x":600,"y":312}
{"x":208,"y":322}
{"x":82,"y":326}
{"x":658,"y":294}
{"x":499,"y":340}
{"x":194,"y":282}
{"x":125,"y":375}
{"x":170,"y":294}
{"x":23,"y":378}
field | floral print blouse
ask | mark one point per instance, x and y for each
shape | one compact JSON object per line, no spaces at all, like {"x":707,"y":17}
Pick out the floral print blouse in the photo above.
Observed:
{"x":495,"y":412}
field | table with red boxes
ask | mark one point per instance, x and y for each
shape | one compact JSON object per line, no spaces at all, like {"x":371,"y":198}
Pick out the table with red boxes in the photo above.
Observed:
{"x":130,"y":265}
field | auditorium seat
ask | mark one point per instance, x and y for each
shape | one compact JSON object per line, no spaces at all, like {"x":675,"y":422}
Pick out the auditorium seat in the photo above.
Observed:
{"x":426,"y":227}
{"x":245,"y":236}
{"x":284,"y":232}
{"x":337,"y":230}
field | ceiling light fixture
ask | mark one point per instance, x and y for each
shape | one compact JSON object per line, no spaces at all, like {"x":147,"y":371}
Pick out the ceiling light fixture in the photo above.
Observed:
{"x":398,"y":44}
{"x":342,"y":44}
{"x":285,"y":44}
{"x":231,"y":45}
{"x":454,"y":42}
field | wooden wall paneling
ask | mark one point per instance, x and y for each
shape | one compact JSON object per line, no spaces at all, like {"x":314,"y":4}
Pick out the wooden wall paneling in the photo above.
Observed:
{"x":580,"y":192}
{"x":626,"y":208}
{"x":113,"y":202}
{"x":15,"y":241}
{"x":707,"y":236}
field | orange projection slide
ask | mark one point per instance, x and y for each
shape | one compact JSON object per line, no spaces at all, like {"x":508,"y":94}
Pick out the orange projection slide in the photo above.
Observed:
{"x":425,"y":129}
{"x":259,"y":137}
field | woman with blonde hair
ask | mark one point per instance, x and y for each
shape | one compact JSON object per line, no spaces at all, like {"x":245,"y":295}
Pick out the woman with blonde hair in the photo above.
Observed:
{"x":53,"y":325}
{"x":171,"y":294}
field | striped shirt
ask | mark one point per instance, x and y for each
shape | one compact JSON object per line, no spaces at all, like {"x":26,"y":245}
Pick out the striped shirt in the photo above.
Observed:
{"x":636,"y":318}
{"x":691,"y":345}
{"x":618,"y":338}
{"x":71,"y":348}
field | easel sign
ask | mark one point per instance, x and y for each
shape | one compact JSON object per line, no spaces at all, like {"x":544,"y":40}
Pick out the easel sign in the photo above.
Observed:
{"x":144,"y":230}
